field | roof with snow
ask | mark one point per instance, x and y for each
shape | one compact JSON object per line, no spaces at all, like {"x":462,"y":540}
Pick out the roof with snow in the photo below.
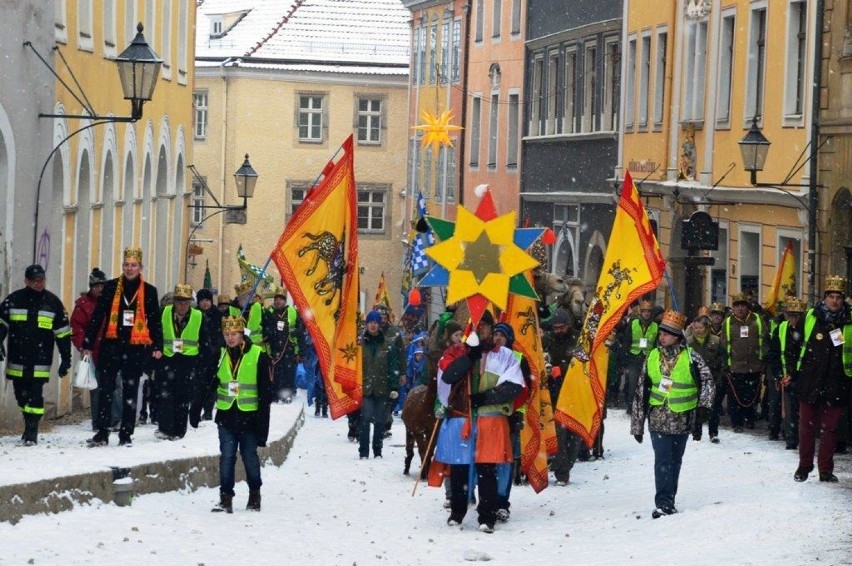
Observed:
{"x":369,"y":32}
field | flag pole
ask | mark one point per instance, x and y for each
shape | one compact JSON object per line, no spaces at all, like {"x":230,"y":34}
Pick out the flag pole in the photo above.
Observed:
{"x":671,"y":289}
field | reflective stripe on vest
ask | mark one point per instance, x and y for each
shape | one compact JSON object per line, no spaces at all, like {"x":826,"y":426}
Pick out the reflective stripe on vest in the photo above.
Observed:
{"x":650,"y":335}
{"x":782,"y":337}
{"x":759,"y":336}
{"x":810,"y":321}
{"x":683,"y":394}
{"x":189,"y":335}
{"x":246,"y":398}
{"x":17,"y":370}
{"x":18,"y":315}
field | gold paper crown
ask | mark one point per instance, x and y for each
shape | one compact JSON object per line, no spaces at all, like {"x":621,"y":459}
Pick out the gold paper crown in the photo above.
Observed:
{"x":645,"y":306}
{"x":794,"y":304}
{"x":717,"y":307}
{"x":183,"y":292}
{"x":703,"y":311}
{"x":243,"y":287}
{"x":133,"y":253}
{"x":673,"y":322}
{"x":835,"y":284}
{"x":739,"y":298}
{"x":280,"y":292}
{"x":233,"y":324}
{"x":223,"y":300}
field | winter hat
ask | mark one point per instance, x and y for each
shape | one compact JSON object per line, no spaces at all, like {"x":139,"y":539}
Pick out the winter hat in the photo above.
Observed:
{"x":96,"y":277}
{"x":373,"y":316}
{"x":453,"y":327}
{"x":559,"y":317}
{"x":487,"y":318}
{"x":204,"y":294}
{"x":506,"y":331}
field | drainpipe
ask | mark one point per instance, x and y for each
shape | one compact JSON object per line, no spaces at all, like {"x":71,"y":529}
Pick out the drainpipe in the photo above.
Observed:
{"x":813,"y":197}
{"x":677,"y":79}
{"x":223,"y":74}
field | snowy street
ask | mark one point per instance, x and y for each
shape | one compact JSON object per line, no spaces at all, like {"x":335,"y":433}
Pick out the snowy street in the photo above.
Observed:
{"x":737,"y":499}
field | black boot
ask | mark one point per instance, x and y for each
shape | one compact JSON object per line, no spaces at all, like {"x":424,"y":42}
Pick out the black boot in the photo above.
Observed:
{"x":225,"y":504}
{"x":254,"y":500}
{"x":30,"y":436}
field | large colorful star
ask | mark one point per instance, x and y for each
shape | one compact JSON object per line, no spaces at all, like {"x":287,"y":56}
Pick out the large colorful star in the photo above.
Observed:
{"x":481,"y":257}
{"x":436,"y":130}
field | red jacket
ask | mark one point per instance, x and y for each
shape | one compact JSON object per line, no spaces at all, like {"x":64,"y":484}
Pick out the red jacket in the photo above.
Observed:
{"x":84,"y":306}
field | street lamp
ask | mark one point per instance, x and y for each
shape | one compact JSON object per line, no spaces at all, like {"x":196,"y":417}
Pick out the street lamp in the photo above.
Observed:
{"x":138,"y":70}
{"x":245,"y":179}
{"x":754,"y":148}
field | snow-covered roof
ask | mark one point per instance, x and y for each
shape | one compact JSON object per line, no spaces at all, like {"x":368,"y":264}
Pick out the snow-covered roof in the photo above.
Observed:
{"x":344,"y":31}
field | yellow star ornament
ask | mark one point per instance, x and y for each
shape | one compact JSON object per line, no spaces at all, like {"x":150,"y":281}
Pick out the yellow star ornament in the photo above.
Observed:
{"x":436,"y":130}
{"x":481,"y":257}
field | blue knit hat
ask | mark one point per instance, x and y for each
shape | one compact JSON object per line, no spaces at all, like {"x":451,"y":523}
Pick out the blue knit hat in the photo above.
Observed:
{"x":373,"y":316}
{"x":506,"y":331}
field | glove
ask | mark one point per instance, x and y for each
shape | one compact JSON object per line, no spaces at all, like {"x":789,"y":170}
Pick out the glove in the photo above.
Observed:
{"x":639,"y":438}
{"x":440,"y":411}
{"x":64,"y":366}
{"x":394,"y":395}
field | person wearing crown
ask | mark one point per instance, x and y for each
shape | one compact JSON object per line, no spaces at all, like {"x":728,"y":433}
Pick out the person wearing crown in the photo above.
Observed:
{"x":185,"y":359}
{"x":784,"y":347}
{"x":283,"y":333}
{"x":127,"y":321}
{"x":639,"y":338}
{"x":746,"y":339}
{"x":243,"y":305}
{"x":243,"y":396}
{"x":675,"y":392}
{"x":825,"y":375}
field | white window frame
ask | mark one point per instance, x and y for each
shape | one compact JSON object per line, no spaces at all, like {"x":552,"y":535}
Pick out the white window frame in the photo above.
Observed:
{"x":183,"y":38}
{"x":433,"y":51}
{"x":370,"y":116}
{"x":644,"y":79}
{"x":569,"y":91}
{"x":796,"y":63}
{"x":108,"y":22}
{"x":217,"y":25}
{"x":727,"y":58}
{"x":151,"y":24}
{"x":199,"y":199}
{"x":513,"y":129}
{"x":376,"y":211}
{"x":446,"y":26}
{"x":292,"y":187}
{"x":590,"y":87}
{"x":612,"y":66}
{"x":551,"y":121}
{"x":493,"y":129}
{"x":456,"y":56}
{"x":744,"y":228}
{"x":661,"y":58}
{"x":781,"y":235}
{"x":479,"y":31}
{"x":755,"y":91}
{"x":475,"y":130}
{"x":723,"y":261}
{"x":130,"y":20}
{"x":60,"y":21}
{"x":201,"y":114}
{"x":496,"y":20}
{"x":695,"y":63}
{"x":313,"y":114}
{"x":535,"y":126}
{"x":630,"y":84}
{"x":516,"y":17}
{"x":165,"y":52}
{"x":85,"y":31}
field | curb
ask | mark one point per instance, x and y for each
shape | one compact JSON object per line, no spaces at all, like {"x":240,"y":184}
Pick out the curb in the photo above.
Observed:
{"x":64,"y":493}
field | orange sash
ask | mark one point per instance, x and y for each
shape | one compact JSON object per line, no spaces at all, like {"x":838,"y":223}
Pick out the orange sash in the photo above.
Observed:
{"x":139,"y":334}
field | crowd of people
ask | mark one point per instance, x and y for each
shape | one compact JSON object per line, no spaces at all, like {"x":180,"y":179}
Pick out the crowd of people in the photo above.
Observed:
{"x":791,"y":369}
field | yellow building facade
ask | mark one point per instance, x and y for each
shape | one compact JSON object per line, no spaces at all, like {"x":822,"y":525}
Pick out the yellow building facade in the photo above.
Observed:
{"x":696,"y":74}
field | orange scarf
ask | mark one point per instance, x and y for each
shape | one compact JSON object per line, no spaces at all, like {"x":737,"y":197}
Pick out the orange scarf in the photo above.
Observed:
{"x":139,"y":334}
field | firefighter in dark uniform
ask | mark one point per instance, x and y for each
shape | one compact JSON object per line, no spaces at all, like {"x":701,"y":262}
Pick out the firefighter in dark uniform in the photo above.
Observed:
{"x":185,"y":358}
{"x":283,"y":334}
{"x":34,"y":319}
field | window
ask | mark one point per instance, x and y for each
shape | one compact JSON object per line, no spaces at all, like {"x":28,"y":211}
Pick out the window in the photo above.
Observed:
{"x":550,"y":122}
{"x":726,"y":68}
{"x":198,"y":200}
{"x":475,"y":115}
{"x":109,"y":26}
{"x":427,"y":173}
{"x":750,"y":259}
{"x":449,"y":153}
{"x":445,"y":52}
{"x":696,"y":55}
{"x":371,"y":210}
{"x":794,"y":84}
{"x":496,"y":18}
{"x":130,"y":20}
{"x":84,"y":25}
{"x":569,"y":98}
{"x":660,"y":77}
{"x":200,"y":103}
{"x":590,"y":87}
{"x":644,"y":79}
{"x":422,"y":51}
{"x":512,"y":132}
{"x":415,"y":75}
{"x":166,"y":45}
{"x":629,"y":95}
{"x":492,"y":131}
{"x":480,"y":21}
{"x":150,"y":24}
{"x":516,"y":17}
{"x":183,"y":32}
{"x":298,"y":192}
{"x":612,"y":77}
{"x":433,"y":53}
{"x":456,"y":74}
{"x":369,"y":120}
{"x":719,"y":271}
{"x":216,"y":26}
{"x":310,"y":118}
{"x":60,"y":30}
{"x":756,"y":64}
{"x":535,"y":128}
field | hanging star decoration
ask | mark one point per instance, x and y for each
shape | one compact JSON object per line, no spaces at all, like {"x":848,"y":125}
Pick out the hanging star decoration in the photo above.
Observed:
{"x":436,"y":130}
{"x":481,"y":257}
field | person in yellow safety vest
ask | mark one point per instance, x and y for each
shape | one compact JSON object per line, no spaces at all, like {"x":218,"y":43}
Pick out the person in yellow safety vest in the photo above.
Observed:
{"x":185,"y":358}
{"x":284,"y":336}
{"x":242,"y":411}
{"x":824,"y":380}
{"x":675,"y":393}
{"x":243,"y":305}
{"x":638,"y":338}
{"x":782,"y":358}
{"x":746,"y":342}
{"x":34,"y":319}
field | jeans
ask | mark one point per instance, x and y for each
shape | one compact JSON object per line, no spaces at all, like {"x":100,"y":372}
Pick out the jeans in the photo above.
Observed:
{"x":372,"y":411}
{"x":228,"y":443}
{"x":668,"y":455}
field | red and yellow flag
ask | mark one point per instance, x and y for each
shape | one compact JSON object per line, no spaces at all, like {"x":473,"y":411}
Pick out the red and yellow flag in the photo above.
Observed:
{"x":539,"y":430}
{"x":382,"y":297}
{"x":785,"y":280}
{"x":317,"y":256}
{"x":632,"y":267}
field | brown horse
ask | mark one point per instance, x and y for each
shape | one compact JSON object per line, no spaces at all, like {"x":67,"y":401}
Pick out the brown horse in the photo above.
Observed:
{"x":418,"y":416}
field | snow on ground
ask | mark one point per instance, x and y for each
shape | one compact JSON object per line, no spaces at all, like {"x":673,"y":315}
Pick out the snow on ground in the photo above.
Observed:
{"x":324,"y":506}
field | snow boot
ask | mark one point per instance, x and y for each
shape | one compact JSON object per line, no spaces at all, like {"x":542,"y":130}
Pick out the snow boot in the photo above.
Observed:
{"x":30,"y":436}
{"x":225,"y":504}
{"x":254,"y":500}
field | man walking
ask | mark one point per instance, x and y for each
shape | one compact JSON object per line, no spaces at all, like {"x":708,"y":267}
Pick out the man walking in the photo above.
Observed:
{"x":746,"y":342}
{"x":282,"y":333}
{"x":380,"y":384}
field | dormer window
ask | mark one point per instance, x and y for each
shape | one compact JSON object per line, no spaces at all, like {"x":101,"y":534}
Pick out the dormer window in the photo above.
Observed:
{"x":216,"y":26}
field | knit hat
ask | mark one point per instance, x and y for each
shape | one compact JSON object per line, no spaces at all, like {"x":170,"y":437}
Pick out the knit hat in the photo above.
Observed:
{"x":96,"y":277}
{"x":506,"y":331}
{"x":203,"y":294}
{"x":373,"y":316}
{"x":452,"y":327}
{"x":559,"y":317}
{"x":487,"y":318}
